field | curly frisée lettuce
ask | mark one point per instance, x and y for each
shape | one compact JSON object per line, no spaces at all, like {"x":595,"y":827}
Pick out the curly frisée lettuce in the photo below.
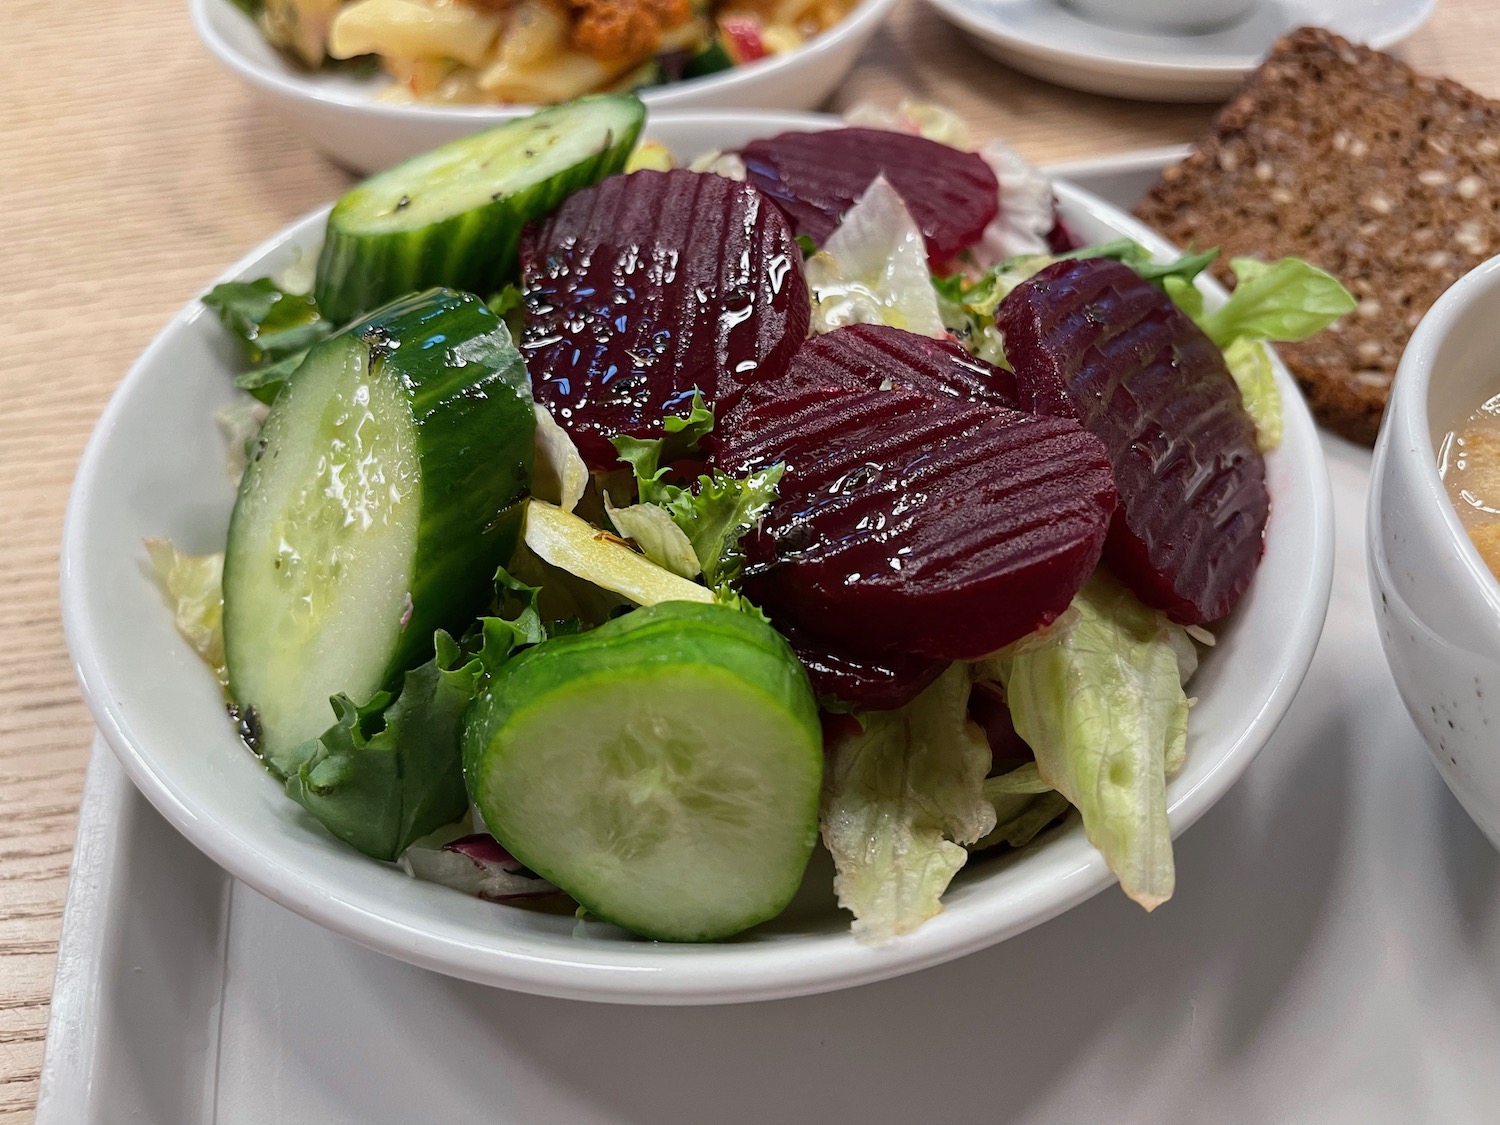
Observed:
{"x":712,"y":516}
{"x":1098,"y":695}
{"x":904,"y":793}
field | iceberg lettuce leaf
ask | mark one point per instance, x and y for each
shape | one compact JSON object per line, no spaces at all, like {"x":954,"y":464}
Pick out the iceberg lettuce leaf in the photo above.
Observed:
{"x":193,"y":586}
{"x":560,"y":476}
{"x":904,"y":793}
{"x":653,"y":530}
{"x":873,"y":269}
{"x":1098,"y":695}
{"x":1250,"y":363}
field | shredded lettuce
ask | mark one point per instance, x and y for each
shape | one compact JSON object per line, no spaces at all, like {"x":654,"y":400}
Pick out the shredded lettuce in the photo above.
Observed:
{"x":1249,"y":362}
{"x":239,"y":424}
{"x":475,"y":865}
{"x":572,"y":544}
{"x":726,"y":164}
{"x":903,"y":795}
{"x":560,"y":476}
{"x":1285,"y":300}
{"x":390,"y":771}
{"x":1024,"y":804}
{"x":873,"y":269}
{"x":1098,"y":696}
{"x":194,"y":588}
{"x":1027,"y":208}
{"x":920,"y":119}
{"x":968,"y":307}
{"x":654,"y":531}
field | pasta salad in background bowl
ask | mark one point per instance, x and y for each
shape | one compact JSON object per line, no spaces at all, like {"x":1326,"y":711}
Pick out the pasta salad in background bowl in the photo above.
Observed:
{"x":372,"y":82}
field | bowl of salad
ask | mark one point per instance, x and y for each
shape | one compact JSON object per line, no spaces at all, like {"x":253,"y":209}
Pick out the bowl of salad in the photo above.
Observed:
{"x":373,"y":82}
{"x":818,"y":554}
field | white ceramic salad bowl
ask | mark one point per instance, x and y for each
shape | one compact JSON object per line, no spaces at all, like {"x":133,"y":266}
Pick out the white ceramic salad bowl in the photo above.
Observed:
{"x":345,"y":118}
{"x":155,"y":467}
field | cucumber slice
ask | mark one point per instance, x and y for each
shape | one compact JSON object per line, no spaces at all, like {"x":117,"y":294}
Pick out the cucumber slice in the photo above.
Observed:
{"x":383,"y":493}
{"x":453,"y":216}
{"x":663,"y":769}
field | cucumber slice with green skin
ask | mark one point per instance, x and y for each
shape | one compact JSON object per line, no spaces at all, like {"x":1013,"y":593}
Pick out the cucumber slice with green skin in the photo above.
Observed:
{"x":383,"y":493}
{"x":663,"y":769}
{"x":453,"y":216}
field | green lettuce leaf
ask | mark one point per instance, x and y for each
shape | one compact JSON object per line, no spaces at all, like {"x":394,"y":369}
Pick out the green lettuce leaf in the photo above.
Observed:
{"x":389,"y":772}
{"x":1286,"y":300}
{"x":1250,"y":364}
{"x":1098,"y":695}
{"x":265,"y":383}
{"x":1187,"y":297}
{"x":510,"y":306}
{"x":903,"y":795}
{"x":193,"y":586}
{"x":653,"y":530}
{"x":1183,"y":268}
{"x":271,"y":322}
{"x":715,"y":513}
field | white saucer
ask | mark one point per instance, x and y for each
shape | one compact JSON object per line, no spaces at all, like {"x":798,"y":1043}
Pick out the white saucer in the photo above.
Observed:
{"x":1046,"y":40}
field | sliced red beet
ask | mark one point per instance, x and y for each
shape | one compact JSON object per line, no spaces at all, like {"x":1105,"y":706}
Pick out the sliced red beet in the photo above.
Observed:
{"x":874,"y":357}
{"x":1060,"y":239}
{"x":988,"y":708}
{"x":1091,"y":340}
{"x":870,"y":681}
{"x":913,"y":521}
{"x":645,"y":287}
{"x":816,"y":177}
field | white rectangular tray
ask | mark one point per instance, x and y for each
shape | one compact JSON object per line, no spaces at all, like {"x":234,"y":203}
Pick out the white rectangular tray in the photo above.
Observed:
{"x":1332,"y":956}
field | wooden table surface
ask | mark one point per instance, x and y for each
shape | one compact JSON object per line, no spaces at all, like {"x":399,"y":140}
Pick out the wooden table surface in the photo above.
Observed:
{"x":132,"y":170}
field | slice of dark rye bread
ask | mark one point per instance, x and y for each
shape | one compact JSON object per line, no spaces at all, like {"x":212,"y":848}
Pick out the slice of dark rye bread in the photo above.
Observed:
{"x":1348,"y":158}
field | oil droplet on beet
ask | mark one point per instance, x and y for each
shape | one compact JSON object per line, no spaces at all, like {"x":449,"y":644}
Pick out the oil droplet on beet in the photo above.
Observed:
{"x":645,"y":287}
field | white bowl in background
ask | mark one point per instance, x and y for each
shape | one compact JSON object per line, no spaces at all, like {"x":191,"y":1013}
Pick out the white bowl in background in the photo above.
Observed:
{"x":1437,"y":603}
{"x":154,"y":466}
{"x":345,"y":118}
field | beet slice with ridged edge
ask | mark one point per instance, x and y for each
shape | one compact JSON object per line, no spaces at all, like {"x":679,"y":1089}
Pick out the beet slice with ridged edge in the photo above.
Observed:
{"x":815,"y":178}
{"x":871,"y":681}
{"x":1090,"y":339}
{"x":647,"y":286}
{"x":909,"y":520}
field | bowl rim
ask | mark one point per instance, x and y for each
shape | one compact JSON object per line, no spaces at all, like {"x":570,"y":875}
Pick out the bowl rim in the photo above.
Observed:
{"x":731,"y":972}
{"x":1406,"y":437}
{"x":863,"y":19}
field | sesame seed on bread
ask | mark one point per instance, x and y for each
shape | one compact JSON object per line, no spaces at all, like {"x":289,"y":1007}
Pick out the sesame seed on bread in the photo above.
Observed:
{"x":1348,"y":158}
